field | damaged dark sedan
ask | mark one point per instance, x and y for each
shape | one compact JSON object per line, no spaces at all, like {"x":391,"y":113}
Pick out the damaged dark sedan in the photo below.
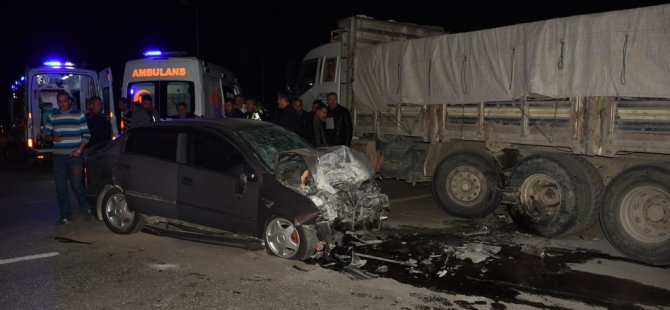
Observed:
{"x":242,"y":176}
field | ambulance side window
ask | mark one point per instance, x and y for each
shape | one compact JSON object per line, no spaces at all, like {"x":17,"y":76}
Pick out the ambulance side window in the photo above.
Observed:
{"x":136,"y":90}
{"x":177,"y":92}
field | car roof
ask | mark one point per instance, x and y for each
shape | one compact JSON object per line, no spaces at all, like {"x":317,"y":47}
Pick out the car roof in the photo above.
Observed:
{"x":233,"y":124}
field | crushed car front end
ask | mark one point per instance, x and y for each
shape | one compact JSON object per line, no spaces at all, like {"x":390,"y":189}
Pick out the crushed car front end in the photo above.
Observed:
{"x":341,"y":184}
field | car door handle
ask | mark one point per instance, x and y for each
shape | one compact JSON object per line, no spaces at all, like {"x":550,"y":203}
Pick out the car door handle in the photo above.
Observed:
{"x":124,"y":167}
{"x":187,"y":181}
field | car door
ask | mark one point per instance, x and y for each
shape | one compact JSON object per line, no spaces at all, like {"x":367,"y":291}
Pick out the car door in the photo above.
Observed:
{"x":147,"y":171}
{"x":212,"y":186}
{"x":106,"y":82}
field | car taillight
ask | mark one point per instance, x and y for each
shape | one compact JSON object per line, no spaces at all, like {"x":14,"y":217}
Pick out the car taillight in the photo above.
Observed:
{"x":40,"y":156}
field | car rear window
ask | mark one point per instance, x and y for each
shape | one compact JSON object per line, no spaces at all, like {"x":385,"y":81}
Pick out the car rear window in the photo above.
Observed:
{"x":154,"y":143}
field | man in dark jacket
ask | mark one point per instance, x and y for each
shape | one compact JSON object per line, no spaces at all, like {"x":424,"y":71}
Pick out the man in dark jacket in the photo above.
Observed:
{"x":288,"y":117}
{"x":318,"y":127}
{"x":305,"y":117}
{"x":146,"y":113}
{"x":339,"y":128}
{"x":99,"y":124}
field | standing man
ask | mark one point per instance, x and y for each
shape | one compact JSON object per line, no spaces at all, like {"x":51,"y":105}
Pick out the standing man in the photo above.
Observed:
{"x":288,"y":117}
{"x":98,"y":124}
{"x":338,"y":124}
{"x":253,"y":112}
{"x":182,"y":111}
{"x":305,"y":118}
{"x":318,"y":134}
{"x":146,"y":113}
{"x":125,"y":114}
{"x":228,"y":108}
{"x":240,"y":109}
{"x":68,"y":130}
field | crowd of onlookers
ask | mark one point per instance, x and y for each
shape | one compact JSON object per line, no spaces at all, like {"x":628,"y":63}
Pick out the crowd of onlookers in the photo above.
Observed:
{"x":326,"y":124}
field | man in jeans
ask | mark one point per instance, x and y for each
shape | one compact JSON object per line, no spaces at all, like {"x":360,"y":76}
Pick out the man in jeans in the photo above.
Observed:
{"x":68,"y":130}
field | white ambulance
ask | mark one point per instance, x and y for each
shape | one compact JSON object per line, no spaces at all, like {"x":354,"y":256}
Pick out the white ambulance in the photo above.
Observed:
{"x":171,"y":80}
{"x":34,"y":97}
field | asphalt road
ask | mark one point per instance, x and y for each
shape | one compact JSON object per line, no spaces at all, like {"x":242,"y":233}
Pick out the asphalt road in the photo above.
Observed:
{"x":84,"y":266}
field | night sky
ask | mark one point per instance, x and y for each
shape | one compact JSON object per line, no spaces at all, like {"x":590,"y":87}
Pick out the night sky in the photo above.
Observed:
{"x":238,"y":35}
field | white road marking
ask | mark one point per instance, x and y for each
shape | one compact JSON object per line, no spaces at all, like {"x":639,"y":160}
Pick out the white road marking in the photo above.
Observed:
{"x":164,"y":266}
{"x":411,"y":198}
{"x":30,"y":257}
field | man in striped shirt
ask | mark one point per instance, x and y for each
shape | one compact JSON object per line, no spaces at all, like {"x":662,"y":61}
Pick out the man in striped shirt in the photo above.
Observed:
{"x":68,"y":130}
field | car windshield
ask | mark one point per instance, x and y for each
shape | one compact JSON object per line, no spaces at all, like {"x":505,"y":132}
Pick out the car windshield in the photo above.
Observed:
{"x":267,"y":142}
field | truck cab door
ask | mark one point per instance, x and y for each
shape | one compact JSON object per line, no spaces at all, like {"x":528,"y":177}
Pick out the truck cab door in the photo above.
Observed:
{"x":107,"y":94}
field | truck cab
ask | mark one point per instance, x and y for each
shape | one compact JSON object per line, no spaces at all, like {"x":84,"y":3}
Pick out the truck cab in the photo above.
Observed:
{"x":322,"y":71}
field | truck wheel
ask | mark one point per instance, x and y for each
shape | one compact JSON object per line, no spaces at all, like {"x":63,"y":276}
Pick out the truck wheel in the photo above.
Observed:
{"x":635,"y":215}
{"x":117,"y":216}
{"x":466,"y":184}
{"x":285,"y":240}
{"x":553,"y":193}
{"x":588,"y":214}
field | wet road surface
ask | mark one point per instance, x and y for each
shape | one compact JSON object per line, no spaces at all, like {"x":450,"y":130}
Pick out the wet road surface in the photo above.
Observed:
{"x":488,"y":266}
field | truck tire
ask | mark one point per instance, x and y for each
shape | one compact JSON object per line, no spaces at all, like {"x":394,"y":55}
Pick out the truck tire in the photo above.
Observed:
{"x":554,"y":194}
{"x":588,"y":215}
{"x":466,"y":184}
{"x":635,"y":214}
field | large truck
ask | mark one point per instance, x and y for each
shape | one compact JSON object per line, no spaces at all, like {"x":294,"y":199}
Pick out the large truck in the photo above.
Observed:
{"x":34,"y":97}
{"x":565,"y":122}
{"x":171,"y":79}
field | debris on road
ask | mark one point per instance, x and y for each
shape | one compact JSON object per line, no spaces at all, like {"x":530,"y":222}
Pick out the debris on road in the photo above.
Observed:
{"x":476,"y":252}
{"x":68,"y":240}
{"x":356,"y":273}
{"x":533,"y":250}
{"x":485,"y":230}
{"x":408,"y":263}
{"x":296,"y":267}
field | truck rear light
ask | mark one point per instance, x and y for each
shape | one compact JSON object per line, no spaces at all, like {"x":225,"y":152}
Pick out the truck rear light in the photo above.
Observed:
{"x":30,"y":115}
{"x":30,"y":142}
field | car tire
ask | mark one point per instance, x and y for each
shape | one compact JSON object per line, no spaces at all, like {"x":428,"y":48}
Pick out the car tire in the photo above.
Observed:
{"x":635,"y":215}
{"x":285,"y":240}
{"x":554,"y":194}
{"x":117,"y":216}
{"x":466,"y":184}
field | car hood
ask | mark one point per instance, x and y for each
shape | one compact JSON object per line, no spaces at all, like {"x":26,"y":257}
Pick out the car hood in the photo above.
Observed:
{"x":334,"y":168}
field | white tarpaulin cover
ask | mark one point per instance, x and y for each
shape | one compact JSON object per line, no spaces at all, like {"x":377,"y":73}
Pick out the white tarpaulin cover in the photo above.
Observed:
{"x":619,"y":53}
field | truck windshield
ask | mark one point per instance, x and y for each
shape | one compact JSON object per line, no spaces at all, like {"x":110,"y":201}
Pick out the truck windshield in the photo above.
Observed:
{"x":268,"y":141}
{"x":306,"y":76}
